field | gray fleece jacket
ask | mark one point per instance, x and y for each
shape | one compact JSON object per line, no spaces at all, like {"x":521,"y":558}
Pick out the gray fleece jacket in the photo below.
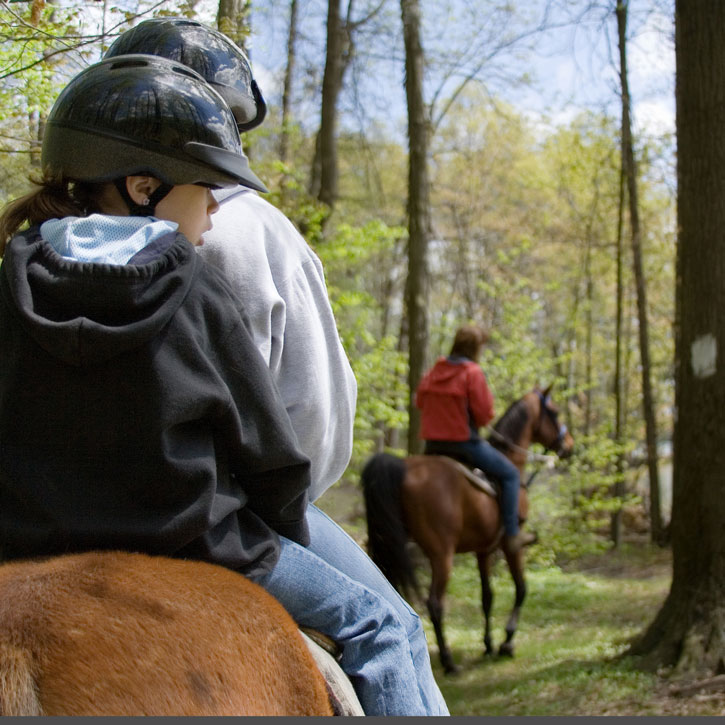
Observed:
{"x":280,"y":288}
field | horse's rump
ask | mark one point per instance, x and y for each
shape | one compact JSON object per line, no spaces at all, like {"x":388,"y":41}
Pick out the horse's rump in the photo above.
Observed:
{"x":115,"y":633}
{"x":444,"y":510}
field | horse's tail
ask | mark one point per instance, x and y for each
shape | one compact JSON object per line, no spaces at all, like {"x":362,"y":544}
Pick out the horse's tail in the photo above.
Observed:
{"x":18,"y":689}
{"x":381,"y":480}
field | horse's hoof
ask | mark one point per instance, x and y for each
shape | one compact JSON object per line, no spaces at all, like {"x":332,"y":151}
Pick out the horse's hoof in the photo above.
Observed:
{"x":506,"y":650}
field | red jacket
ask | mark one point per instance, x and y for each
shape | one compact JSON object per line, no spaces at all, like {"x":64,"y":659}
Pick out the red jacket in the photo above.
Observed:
{"x":454,"y":399}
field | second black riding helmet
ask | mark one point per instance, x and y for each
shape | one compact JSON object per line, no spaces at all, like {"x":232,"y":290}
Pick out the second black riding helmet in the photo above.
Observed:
{"x":143,"y":114}
{"x":211,"y":54}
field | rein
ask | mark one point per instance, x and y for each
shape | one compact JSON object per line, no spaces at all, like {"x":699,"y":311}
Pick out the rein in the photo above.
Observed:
{"x":541,"y":457}
{"x":537,"y":457}
{"x":549,"y":460}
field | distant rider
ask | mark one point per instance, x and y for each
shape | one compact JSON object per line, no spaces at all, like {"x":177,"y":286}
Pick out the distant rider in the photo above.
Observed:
{"x":455,"y":401}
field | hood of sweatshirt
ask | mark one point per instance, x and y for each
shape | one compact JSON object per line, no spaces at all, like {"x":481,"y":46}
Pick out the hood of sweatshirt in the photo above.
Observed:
{"x":447,"y":377}
{"x":85,"y":313}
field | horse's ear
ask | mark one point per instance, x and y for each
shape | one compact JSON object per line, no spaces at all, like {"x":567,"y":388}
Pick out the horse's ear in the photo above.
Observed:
{"x":546,"y":392}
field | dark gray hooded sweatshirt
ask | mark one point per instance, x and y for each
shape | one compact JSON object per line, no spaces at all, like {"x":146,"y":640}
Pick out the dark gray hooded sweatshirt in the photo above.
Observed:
{"x":136,"y":413}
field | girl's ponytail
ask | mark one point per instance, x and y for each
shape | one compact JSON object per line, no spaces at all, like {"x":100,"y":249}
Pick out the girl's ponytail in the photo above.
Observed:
{"x":52,"y":199}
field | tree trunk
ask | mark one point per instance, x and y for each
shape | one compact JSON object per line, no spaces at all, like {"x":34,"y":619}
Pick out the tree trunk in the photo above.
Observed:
{"x":689,"y":631}
{"x":323,"y":183}
{"x":233,"y":20}
{"x":287,"y":86}
{"x":37,"y":127}
{"x":589,"y":317}
{"x":416,"y":287}
{"x":648,"y":404}
{"x":619,"y":485}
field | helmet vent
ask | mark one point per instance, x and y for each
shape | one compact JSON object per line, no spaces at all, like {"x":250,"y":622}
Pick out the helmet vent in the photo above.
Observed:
{"x":135,"y":62}
{"x":186,"y":71}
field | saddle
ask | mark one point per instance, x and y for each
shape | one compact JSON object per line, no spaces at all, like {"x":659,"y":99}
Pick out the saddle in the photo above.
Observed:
{"x":476,"y":477}
{"x":339,"y":689}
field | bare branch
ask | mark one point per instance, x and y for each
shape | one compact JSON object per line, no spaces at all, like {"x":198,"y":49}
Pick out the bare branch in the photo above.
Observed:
{"x":474,"y":73}
{"x":69,"y":43}
{"x":353,"y":25}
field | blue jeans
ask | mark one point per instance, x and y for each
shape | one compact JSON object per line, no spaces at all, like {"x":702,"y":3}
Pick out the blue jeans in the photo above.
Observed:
{"x":334,"y":587}
{"x":493,"y":463}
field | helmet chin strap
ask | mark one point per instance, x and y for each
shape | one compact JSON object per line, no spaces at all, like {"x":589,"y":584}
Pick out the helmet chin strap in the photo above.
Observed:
{"x":148,"y":208}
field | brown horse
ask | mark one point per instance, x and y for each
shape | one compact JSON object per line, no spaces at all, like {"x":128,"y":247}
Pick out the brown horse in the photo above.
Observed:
{"x":112,"y":633}
{"x":431,"y":500}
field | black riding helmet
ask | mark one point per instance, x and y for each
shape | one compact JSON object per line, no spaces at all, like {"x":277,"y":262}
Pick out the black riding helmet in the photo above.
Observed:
{"x":144,"y":115}
{"x":212,"y":55}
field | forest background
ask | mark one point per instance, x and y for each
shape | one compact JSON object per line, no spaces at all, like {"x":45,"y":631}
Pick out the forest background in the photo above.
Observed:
{"x":511,"y":163}
{"x":527,"y":232}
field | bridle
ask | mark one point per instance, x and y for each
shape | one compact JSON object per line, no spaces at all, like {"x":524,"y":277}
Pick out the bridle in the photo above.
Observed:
{"x":561,"y":428}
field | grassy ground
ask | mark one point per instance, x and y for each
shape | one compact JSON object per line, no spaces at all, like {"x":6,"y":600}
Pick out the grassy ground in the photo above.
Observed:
{"x":574,"y":627}
{"x":575,"y":624}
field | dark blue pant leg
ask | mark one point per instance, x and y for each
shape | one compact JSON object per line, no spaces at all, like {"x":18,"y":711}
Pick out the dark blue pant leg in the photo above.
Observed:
{"x":495,"y":464}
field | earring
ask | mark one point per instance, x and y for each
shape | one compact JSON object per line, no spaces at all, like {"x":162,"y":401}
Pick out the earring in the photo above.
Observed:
{"x":146,"y":201}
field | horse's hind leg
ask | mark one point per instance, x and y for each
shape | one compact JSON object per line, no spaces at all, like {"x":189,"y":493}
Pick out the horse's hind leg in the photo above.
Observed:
{"x":484,"y":569}
{"x":440,"y":572}
{"x":516,"y":566}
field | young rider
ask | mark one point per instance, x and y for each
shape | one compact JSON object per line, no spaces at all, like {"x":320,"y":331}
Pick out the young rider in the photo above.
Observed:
{"x":136,"y":411}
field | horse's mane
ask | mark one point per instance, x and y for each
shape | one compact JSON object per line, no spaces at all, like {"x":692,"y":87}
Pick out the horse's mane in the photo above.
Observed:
{"x":510,"y":425}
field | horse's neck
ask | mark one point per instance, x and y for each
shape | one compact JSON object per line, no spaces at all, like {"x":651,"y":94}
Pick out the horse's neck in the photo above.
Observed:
{"x":518,"y":454}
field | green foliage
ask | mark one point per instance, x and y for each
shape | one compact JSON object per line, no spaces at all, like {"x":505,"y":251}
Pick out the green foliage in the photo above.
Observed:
{"x":30,"y":77}
{"x":290,"y":195}
{"x":571,"y":508}
{"x":372,"y":178}
{"x":513,"y":360}
{"x":379,"y":366}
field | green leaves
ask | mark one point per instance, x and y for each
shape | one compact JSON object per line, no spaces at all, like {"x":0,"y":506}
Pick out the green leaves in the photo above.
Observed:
{"x":359,"y":304}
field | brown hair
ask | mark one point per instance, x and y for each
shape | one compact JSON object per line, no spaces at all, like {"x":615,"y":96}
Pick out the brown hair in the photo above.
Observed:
{"x":52,"y":198}
{"x":469,"y":340}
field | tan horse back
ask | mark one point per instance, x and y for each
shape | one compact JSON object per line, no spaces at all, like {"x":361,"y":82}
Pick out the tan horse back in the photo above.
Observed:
{"x":115,"y":633}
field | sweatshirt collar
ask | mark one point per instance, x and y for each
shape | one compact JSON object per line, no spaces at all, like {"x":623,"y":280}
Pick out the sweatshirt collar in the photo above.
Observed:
{"x":103,"y":238}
